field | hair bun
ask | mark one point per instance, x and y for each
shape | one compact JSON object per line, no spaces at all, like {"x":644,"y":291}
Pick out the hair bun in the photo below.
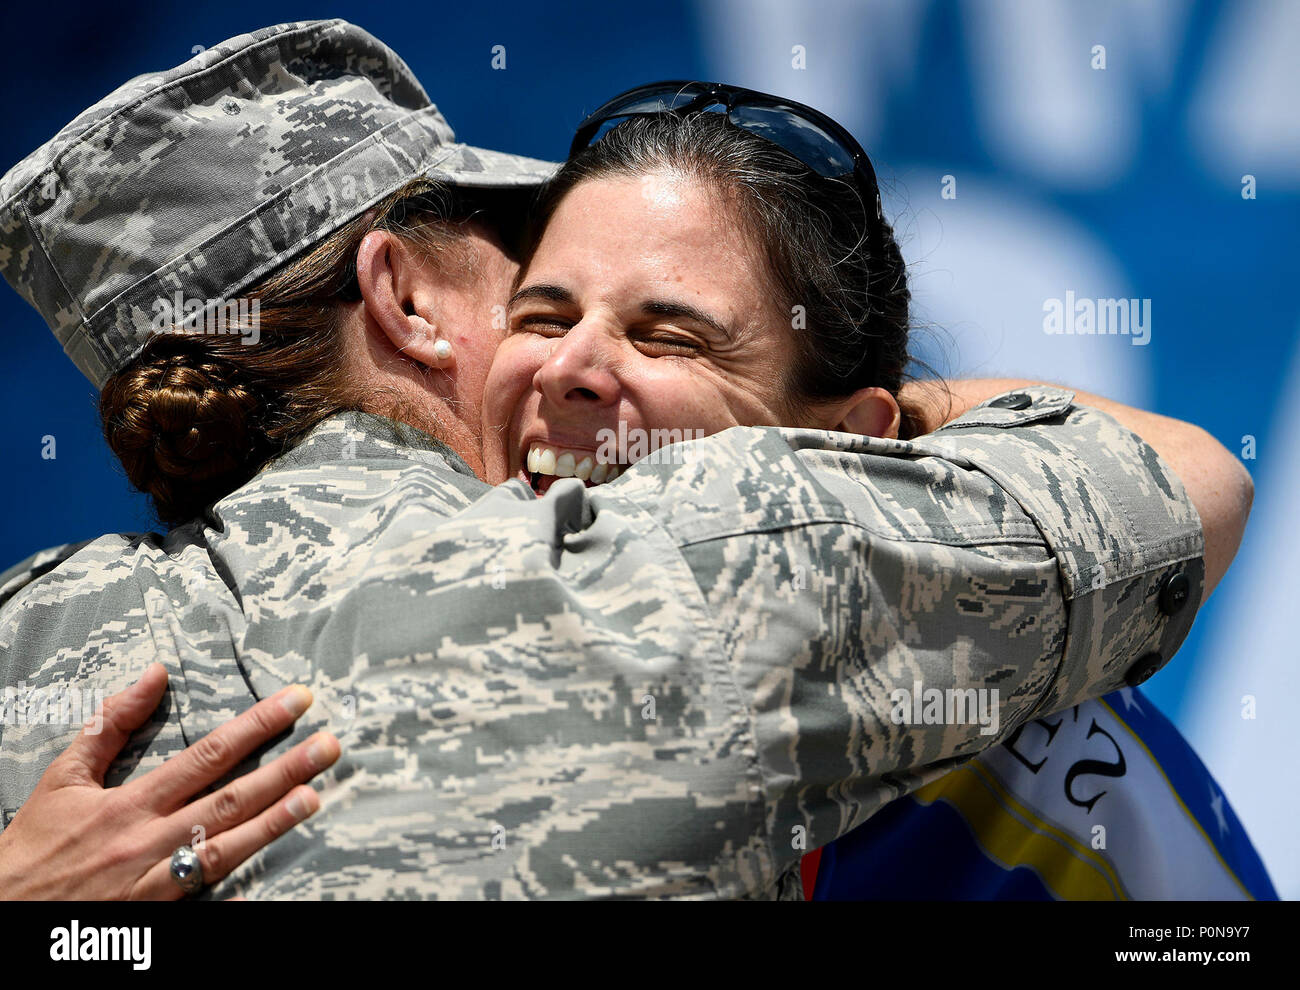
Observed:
{"x":196,"y":418}
{"x":180,"y":422}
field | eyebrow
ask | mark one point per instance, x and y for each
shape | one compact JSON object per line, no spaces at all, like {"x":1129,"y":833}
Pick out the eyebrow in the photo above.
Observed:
{"x":654,"y":307}
{"x":554,"y":293}
{"x":663,"y":307}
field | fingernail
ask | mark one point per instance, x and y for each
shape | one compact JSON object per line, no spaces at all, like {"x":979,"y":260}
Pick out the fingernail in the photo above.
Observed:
{"x":320,"y":752}
{"x":296,"y":700}
{"x":301,"y":805}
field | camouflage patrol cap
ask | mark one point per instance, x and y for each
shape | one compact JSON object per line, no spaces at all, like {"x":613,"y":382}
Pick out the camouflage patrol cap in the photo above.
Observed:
{"x":202,"y":179}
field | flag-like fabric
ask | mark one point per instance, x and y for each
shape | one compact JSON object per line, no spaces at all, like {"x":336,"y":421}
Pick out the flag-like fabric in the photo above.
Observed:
{"x":1103,"y":801}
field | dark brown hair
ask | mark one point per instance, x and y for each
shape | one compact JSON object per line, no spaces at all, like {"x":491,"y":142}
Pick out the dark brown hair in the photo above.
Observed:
{"x":194,"y":416}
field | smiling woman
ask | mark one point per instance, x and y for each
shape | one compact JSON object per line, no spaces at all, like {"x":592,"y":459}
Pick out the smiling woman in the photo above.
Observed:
{"x":691,"y":275}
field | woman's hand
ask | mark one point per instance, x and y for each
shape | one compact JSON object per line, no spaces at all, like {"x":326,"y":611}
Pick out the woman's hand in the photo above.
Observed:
{"x":74,"y":838}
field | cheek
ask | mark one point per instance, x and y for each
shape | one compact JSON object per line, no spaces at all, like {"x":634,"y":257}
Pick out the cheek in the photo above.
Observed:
{"x":510,"y":378}
{"x":688,"y":399}
{"x":748,"y":391}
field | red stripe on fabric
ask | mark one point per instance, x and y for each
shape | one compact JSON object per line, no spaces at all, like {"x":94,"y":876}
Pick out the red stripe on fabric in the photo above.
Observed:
{"x":808,"y":870}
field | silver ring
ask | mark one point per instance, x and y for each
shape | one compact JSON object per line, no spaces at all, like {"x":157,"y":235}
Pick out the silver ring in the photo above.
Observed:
{"x":186,"y":869}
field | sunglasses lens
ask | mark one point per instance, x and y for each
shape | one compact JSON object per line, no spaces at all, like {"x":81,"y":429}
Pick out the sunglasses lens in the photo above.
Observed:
{"x":643,"y":103}
{"x":785,"y":127}
{"x":658,"y":101}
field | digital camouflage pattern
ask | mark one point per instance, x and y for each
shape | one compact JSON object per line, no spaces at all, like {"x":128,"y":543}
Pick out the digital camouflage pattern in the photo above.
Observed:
{"x":294,"y":130}
{"x":668,"y":686}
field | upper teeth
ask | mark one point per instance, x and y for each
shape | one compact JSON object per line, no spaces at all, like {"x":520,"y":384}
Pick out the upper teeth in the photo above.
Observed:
{"x":565,"y":464}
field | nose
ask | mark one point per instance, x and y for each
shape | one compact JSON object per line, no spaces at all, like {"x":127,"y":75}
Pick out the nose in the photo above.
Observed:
{"x":580,"y":369}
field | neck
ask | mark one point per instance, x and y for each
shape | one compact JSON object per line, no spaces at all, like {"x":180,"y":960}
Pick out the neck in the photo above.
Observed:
{"x":399,"y":389}
{"x":432,"y":415}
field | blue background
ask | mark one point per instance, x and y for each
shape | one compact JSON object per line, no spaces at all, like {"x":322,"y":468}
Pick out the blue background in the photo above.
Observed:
{"x":1116,"y":181}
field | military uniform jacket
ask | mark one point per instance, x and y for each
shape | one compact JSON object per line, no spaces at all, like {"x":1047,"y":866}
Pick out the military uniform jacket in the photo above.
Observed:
{"x":671,"y":685}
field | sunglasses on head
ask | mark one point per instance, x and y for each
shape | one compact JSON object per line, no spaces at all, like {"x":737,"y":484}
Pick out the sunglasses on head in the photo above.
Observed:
{"x":809,"y":135}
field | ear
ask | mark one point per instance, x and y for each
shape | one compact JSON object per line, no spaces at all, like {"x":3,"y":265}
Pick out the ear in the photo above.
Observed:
{"x":871,"y":412}
{"x":388,"y":274}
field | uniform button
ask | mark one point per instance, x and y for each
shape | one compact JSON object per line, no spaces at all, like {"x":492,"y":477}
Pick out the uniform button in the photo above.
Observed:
{"x":1016,"y":400}
{"x":1146,"y":665}
{"x":1174,"y":592}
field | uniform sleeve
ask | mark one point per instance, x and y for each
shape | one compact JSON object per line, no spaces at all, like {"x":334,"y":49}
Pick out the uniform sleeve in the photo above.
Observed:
{"x":83,"y":621}
{"x":889,"y":609}
{"x":1124,"y":533}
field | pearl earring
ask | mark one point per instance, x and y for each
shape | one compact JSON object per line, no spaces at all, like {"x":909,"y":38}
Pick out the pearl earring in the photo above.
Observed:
{"x":442,"y":348}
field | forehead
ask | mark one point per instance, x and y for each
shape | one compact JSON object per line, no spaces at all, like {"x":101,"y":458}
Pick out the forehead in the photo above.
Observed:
{"x":640,"y":233}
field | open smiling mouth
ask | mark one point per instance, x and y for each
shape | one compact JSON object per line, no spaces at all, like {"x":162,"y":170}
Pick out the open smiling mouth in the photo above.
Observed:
{"x":547,"y":462}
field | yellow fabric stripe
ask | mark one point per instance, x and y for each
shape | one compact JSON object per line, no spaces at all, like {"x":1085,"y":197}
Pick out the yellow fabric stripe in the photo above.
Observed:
{"x":1014,"y":836}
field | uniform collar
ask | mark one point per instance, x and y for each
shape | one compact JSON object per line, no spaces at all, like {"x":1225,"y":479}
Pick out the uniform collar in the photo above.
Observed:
{"x":363,"y":436}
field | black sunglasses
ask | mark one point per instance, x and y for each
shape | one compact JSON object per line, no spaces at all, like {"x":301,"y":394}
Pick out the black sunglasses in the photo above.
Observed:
{"x":811,"y":136}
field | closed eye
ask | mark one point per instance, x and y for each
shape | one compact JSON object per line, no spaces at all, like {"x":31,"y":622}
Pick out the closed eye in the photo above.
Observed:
{"x":547,"y":324}
{"x":660,"y":345}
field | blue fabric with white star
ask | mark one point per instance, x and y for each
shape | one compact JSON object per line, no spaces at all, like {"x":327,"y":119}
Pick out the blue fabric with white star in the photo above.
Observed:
{"x":929,"y":851}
